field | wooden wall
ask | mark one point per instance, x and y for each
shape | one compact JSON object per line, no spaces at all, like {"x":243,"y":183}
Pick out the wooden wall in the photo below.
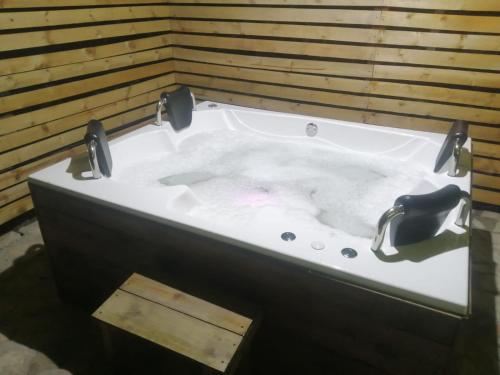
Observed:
{"x":65,"y":62}
{"x":415,"y":64}
{"x":405,"y":63}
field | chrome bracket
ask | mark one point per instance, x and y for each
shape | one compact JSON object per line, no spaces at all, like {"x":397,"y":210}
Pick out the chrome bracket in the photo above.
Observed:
{"x":455,"y":159}
{"x":194,"y":101}
{"x":464,"y":210}
{"x":162,"y":102}
{"x":94,"y":164}
{"x":159,"y":106}
{"x":383,"y":223}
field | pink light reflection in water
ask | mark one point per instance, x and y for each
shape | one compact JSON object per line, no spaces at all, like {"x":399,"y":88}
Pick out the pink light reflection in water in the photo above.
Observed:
{"x":255,"y":199}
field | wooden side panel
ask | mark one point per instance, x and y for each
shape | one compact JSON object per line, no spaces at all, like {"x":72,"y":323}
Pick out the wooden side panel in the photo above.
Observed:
{"x":400,"y":63}
{"x":64,"y":63}
{"x":390,"y":335}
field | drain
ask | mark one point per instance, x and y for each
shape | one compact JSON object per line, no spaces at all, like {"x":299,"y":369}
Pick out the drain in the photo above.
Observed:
{"x":311,"y":129}
{"x":349,"y":253}
{"x":212,"y":105}
{"x":288,"y":236}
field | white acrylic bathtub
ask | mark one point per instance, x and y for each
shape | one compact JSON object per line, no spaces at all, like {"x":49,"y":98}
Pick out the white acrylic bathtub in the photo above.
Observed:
{"x":246,"y":176}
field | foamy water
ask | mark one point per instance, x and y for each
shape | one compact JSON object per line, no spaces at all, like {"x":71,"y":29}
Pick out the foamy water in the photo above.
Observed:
{"x":237,"y":175}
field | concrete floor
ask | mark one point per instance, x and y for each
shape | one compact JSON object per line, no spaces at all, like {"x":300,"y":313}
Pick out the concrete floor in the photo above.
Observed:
{"x":41,"y":336}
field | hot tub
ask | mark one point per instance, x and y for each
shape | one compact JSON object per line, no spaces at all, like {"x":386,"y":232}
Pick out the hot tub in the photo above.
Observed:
{"x":271,"y":187}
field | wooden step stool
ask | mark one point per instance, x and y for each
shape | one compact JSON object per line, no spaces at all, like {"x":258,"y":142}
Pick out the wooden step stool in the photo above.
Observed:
{"x":212,"y":336}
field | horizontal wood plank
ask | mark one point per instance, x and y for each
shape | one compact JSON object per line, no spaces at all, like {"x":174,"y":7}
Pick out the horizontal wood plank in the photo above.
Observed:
{"x":364,"y":87}
{"x":15,"y":4}
{"x":348,"y":69}
{"x":360,"y":102}
{"x":339,"y":51}
{"x":20,"y":174}
{"x":28,"y":152}
{"x":427,"y":21}
{"x":13,"y":193}
{"x":187,"y":304}
{"x":486,"y":196}
{"x":483,"y":164}
{"x":181,"y":333}
{"x":9,"y":124}
{"x":485,"y":180}
{"x":47,"y":75}
{"x":14,"y":209}
{"x":382,"y":119}
{"x":29,"y":19}
{"x":16,"y":65}
{"x":487,"y":149}
{"x":49,"y":129}
{"x":52,"y":93}
{"x":466,"y":5}
{"x":343,"y":34}
{"x":50,"y":37}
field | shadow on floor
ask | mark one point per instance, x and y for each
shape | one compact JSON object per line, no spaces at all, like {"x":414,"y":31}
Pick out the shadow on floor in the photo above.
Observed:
{"x":32,"y":314}
{"x":476,"y":350}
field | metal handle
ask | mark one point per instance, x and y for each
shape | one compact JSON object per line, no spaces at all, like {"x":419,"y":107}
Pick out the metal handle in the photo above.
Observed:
{"x":94,"y":164}
{"x":194,"y":101}
{"x":159,"y":106}
{"x":465,"y":210}
{"x":162,"y":102}
{"x":383,"y":223}
{"x":455,"y":159}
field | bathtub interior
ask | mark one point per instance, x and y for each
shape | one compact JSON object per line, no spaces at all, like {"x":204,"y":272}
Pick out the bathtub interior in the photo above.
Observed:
{"x":249,"y":175}
{"x":233,"y":174}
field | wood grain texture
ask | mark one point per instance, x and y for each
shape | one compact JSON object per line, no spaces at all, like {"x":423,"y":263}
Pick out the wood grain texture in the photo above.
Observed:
{"x":52,"y":74}
{"x":172,"y":329}
{"x":389,"y":334}
{"x":16,"y":208}
{"x":415,"y":64}
{"x":52,"y":37}
{"x":29,"y":19}
{"x":466,"y":5}
{"x":61,"y":66}
{"x":15,"y":4}
{"x":343,"y":34}
{"x":426,"y":21}
{"x":186,"y":304}
{"x":486,"y":196}
{"x":49,"y":60}
{"x":34,"y":133}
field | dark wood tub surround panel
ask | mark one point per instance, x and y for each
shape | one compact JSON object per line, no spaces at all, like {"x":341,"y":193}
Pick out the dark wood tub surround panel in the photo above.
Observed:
{"x":93,"y":250}
{"x":65,"y":62}
{"x":402,"y":63}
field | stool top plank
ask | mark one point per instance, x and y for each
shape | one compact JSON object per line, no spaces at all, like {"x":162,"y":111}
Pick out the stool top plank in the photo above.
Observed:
{"x":177,"y":321}
{"x":185,"y":303}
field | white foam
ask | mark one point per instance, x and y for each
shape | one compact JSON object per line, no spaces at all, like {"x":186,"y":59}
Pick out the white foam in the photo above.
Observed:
{"x":238,"y":175}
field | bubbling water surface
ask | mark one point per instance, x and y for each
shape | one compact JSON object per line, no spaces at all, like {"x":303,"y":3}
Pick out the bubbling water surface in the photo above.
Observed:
{"x":236,"y":175}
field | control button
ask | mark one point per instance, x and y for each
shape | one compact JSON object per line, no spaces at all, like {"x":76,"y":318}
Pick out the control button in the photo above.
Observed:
{"x":317,"y":245}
